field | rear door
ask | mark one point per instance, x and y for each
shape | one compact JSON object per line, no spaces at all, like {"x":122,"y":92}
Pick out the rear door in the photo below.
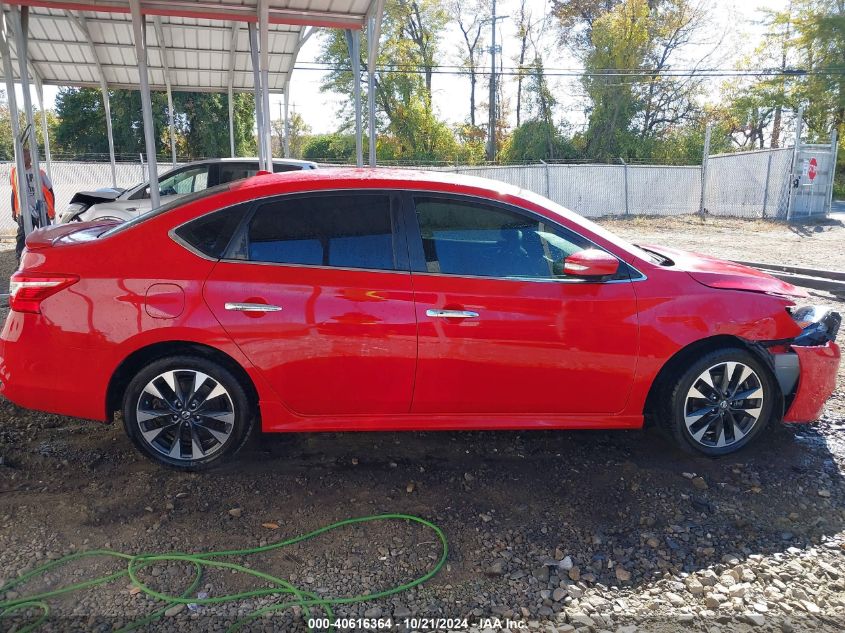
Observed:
{"x":501,"y":329}
{"x":316,"y":291}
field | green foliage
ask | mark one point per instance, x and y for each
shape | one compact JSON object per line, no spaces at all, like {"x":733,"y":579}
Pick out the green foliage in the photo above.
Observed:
{"x":201,"y":121}
{"x":537,"y":140}
{"x":330,"y":148}
{"x":7,"y":150}
{"x":298,"y":130}
{"x":411,"y":31}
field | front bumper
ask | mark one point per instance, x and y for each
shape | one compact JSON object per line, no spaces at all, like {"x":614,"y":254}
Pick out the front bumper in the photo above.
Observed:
{"x":818,"y":366}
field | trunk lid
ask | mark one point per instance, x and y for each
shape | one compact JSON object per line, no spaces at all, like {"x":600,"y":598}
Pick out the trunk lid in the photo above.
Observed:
{"x":65,"y":234}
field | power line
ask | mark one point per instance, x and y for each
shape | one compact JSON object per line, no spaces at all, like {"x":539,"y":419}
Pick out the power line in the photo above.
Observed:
{"x":647,"y":75}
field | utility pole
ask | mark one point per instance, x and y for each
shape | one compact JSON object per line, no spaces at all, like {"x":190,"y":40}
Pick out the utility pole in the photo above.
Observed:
{"x":491,"y":130}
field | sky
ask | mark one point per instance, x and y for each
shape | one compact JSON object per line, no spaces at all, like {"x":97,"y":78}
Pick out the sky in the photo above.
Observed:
{"x":735,"y":31}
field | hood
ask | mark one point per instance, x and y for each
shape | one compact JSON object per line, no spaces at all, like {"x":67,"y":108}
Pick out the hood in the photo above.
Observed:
{"x":718,"y":273}
{"x":93,"y":197}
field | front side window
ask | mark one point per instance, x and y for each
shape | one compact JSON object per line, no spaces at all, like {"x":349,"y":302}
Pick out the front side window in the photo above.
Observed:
{"x":344,"y":230}
{"x":467,"y":238}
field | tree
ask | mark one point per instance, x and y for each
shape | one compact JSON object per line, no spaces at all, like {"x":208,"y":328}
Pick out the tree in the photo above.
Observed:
{"x":330,"y":148}
{"x":299,"y":132}
{"x":523,"y":31}
{"x":627,"y":47}
{"x":537,"y":140}
{"x":470,"y":19}
{"x":408,"y":50}
{"x":7,"y":148}
{"x":201,"y":121}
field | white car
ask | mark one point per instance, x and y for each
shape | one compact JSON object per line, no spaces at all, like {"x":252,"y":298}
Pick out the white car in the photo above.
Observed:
{"x":125,"y":204}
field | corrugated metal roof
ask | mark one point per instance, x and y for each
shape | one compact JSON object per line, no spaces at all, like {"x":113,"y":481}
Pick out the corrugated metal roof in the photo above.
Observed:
{"x":197,"y":35}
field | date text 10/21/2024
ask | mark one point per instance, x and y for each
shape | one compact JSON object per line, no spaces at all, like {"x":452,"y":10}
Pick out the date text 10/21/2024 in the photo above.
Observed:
{"x":415,"y":623}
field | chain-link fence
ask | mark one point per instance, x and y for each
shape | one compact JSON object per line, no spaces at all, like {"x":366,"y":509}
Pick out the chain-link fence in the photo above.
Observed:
{"x":594,"y":190}
{"x":70,"y":177}
{"x":754,"y":184}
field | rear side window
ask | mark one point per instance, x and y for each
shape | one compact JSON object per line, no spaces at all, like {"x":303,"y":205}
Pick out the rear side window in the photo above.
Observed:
{"x":281,"y":167}
{"x":228,"y":172}
{"x":344,"y":230}
{"x":210,"y":234}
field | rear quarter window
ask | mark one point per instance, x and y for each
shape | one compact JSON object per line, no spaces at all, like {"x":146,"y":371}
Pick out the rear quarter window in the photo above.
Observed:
{"x":210,"y":234}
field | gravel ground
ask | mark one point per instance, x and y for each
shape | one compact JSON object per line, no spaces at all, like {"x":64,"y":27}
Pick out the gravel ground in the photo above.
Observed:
{"x":595,"y":531}
{"x":812,"y":245}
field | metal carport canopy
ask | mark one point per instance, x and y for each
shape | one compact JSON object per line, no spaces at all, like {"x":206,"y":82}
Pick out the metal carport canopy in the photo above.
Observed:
{"x":197,"y":42}
{"x":183,"y":45}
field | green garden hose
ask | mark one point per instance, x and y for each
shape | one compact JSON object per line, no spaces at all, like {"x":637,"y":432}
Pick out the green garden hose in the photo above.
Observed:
{"x":281,"y":587}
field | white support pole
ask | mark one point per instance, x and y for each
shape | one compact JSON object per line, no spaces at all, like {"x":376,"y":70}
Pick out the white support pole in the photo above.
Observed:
{"x":287,"y":119}
{"x":353,"y":39}
{"x":21,"y":18}
{"x":82,"y":25}
{"x":140,"y":32}
{"x":45,"y":133}
{"x":373,"y":36}
{"x":24,"y":202}
{"x":104,"y":89}
{"x":231,"y":83}
{"x":371,"y":96}
{"x":256,"y":76}
{"x":264,"y":36}
{"x":231,"y":104}
{"x":162,"y":48}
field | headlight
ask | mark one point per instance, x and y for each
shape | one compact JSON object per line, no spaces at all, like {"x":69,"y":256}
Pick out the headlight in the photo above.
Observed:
{"x":71,"y":212}
{"x":818,"y":324}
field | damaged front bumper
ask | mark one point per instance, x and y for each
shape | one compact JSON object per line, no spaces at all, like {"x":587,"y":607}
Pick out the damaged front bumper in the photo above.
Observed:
{"x":806,"y":366}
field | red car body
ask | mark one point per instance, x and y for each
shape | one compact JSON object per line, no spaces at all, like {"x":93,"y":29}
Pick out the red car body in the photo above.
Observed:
{"x":355,"y":350}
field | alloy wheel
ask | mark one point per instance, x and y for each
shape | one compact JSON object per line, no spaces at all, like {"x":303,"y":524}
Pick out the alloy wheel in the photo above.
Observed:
{"x":185,"y":414}
{"x":723,"y":404}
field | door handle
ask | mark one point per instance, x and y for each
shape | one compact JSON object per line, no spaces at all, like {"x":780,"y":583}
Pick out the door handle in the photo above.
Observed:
{"x":452,"y":314}
{"x":251,"y":307}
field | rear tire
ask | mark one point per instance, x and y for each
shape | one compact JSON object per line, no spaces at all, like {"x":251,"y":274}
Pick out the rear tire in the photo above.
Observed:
{"x":720,"y":403}
{"x":187,"y":412}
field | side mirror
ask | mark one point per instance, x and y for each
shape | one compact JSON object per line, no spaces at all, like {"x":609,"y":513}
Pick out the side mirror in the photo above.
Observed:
{"x":591,"y":262}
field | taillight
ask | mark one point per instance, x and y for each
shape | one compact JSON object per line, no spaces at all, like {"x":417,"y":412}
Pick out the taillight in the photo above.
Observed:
{"x":28,"y":290}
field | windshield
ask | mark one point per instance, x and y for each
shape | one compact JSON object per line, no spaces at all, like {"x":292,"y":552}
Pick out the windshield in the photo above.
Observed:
{"x":186,"y":199}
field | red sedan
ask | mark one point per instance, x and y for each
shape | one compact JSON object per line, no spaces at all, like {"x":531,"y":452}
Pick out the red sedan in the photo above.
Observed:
{"x":391,"y":300}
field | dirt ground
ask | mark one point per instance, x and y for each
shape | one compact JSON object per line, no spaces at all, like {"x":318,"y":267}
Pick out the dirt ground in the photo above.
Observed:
{"x":812,"y":245}
{"x":559,"y":531}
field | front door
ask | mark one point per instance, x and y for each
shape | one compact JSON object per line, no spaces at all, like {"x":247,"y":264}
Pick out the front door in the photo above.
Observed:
{"x":501,"y":330}
{"x":316,"y":292}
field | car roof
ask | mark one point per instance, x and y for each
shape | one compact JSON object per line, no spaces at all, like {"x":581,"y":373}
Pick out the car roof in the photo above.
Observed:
{"x":392,"y":178}
{"x":250,"y":159}
{"x":381,"y":176}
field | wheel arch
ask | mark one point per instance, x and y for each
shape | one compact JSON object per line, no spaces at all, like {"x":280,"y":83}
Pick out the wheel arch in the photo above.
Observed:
{"x":136,"y":360}
{"x":703,"y":346}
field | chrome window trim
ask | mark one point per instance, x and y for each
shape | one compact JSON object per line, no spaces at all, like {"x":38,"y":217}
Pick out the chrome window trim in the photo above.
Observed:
{"x":172,"y":234}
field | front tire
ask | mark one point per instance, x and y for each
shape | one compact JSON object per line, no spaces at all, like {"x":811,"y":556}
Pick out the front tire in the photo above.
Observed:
{"x":186,"y":412}
{"x":720,"y":403}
